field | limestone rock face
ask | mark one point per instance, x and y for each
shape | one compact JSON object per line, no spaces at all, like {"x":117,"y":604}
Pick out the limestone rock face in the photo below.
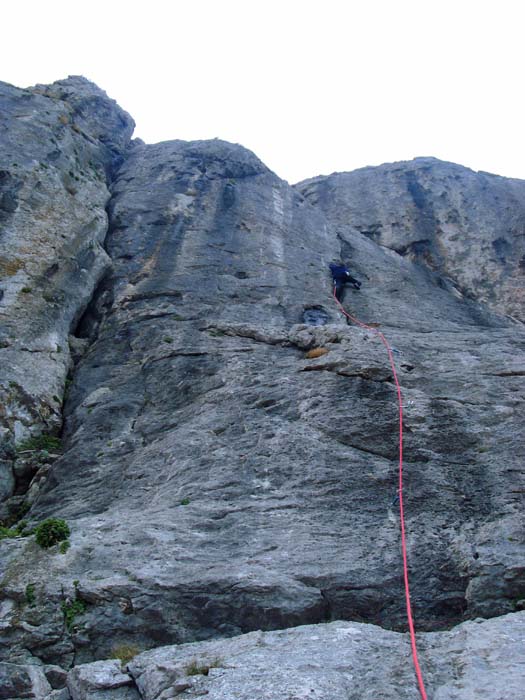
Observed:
{"x":58,"y":147}
{"x":23,"y":681}
{"x":468,"y":227}
{"x":217,"y":476}
{"x":101,"y":680}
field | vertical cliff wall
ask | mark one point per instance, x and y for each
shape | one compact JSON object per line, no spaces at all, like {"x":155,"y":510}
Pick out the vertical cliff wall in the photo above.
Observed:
{"x":467,"y":226}
{"x":59,"y":146}
{"x":216,"y":478}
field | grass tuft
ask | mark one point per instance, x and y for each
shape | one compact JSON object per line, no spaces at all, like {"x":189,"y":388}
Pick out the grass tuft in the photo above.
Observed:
{"x":202,"y":668}
{"x":124,"y":652}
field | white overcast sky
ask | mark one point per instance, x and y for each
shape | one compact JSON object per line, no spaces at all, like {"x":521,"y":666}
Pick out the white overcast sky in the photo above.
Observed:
{"x":310,"y":87}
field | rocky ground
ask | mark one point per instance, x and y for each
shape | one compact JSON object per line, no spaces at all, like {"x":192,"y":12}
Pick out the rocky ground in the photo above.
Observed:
{"x":332,"y":661}
{"x":158,"y":303}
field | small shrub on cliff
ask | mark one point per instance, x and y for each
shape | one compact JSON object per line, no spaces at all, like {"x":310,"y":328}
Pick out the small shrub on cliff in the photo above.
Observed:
{"x":51,"y":531}
{"x":64,"y":546}
{"x":30,"y":594}
{"x":72,"y":608}
{"x":201,"y":668}
{"x":124,"y":652}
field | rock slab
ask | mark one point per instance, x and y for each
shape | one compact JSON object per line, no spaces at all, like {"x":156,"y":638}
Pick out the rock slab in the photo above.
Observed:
{"x":336,"y":661}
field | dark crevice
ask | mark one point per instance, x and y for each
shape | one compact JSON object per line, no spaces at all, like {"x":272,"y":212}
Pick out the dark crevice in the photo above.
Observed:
{"x":316,"y":316}
{"x":84,"y":329}
{"x":101,"y":301}
{"x":247,"y":333}
{"x":371,"y":375}
{"x":328,"y":617}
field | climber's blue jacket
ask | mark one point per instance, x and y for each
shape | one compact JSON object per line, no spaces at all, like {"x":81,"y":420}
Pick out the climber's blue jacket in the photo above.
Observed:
{"x":339,"y":273}
{"x":341,"y":276}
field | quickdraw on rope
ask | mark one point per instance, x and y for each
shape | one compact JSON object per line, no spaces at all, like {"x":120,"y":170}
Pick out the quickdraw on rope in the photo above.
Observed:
{"x":410,"y":619}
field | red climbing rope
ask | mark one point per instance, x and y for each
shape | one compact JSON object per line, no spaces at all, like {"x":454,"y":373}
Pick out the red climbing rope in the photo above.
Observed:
{"x":401,"y":509}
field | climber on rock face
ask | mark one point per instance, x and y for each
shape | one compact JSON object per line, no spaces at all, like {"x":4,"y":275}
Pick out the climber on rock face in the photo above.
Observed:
{"x":342,"y":276}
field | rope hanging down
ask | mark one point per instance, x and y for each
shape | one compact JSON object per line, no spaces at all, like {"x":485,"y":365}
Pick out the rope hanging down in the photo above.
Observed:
{"x":417,"y":668}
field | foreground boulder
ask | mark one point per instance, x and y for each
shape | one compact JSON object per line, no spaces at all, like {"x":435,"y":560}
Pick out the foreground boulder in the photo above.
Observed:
{"x":339,"y":660}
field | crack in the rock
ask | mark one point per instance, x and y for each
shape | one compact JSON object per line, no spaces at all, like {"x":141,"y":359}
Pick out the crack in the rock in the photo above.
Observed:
{"x":347,"y":443}
{"x":147,"y":296}
{"x":177,"y":353}
{"x":366,"y":376}
{"x":249,"y":333}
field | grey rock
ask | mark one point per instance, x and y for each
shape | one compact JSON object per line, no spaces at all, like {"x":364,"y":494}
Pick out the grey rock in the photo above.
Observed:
{"x":22,"y":681}
{"x":196,"y":388}
{"x":217,"y":478}
{"x":56,"y":676}
{"x":465,"y":226}
{"x":62,"y":694}
{"x":480,"y":659}
{"x":58,"y":144}
{"x":101,"y":680}
{"x":7,"y":480}
{"x":93,"y":115}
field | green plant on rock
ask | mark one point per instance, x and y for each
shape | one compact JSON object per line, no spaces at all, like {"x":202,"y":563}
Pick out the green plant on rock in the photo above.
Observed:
{"x":51,"y":532}
{"x":124,"y":652}
{"x":49,"y":443}
{"x":15,"y":513}
{"x":64,"y":546}
{"x":7,"y":532}
{"x":202,"y":668}
{"x":72,"y":608}
{"x":19,"y":530}
{"x":30,"y":594}
{"x":23,"y":529}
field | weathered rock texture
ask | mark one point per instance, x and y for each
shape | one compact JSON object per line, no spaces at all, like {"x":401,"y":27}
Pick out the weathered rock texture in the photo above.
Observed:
{"x":339,"y":660}
{"x":218,"y":481}
{"x":468,"y":226}
{"x":59,"y":145}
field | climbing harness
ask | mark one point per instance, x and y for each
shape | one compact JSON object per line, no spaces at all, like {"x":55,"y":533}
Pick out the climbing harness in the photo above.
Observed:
{"x":410,"y":619}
